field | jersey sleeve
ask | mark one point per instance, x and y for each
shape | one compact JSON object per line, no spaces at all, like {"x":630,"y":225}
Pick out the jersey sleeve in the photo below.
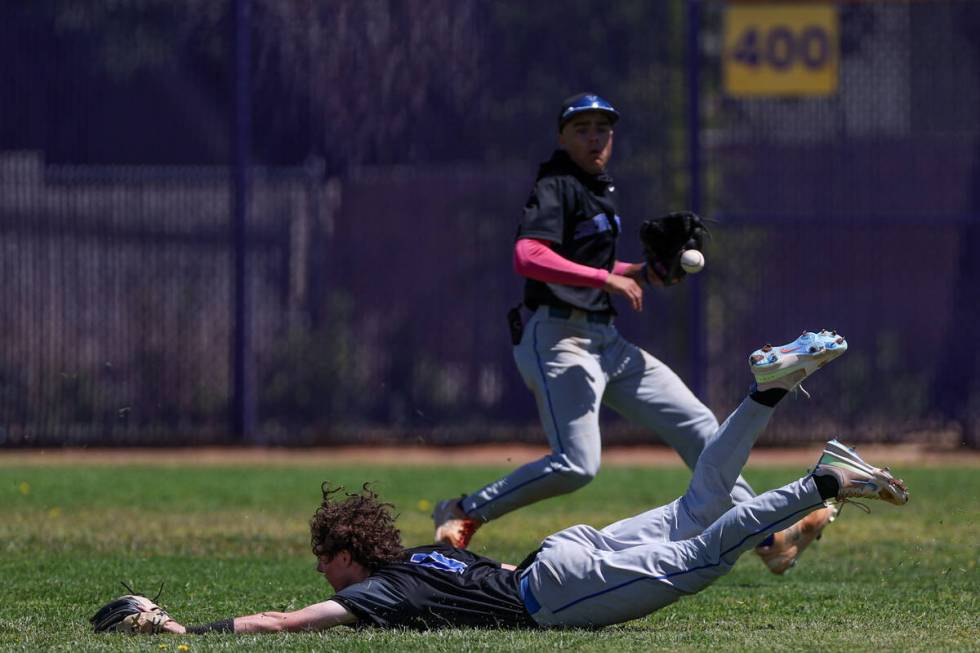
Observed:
{"x":374,"y":601}
{"x":535,"y":260}
{"x":544,"y":213}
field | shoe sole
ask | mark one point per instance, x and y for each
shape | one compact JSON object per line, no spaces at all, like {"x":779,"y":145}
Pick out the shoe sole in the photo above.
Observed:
{"x":809,"y":352}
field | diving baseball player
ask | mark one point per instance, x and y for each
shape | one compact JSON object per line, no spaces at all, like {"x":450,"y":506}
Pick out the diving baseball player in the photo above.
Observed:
{"x":580,"y":576}
{"x":570,"y":354}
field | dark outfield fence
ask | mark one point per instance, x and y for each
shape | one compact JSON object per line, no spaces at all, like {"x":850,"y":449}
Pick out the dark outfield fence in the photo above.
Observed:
{"x":858,"y":210}
{"x":382,"y":213}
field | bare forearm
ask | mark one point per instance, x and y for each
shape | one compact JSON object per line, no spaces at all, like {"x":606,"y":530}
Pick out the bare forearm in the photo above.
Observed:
{"x":315,"y":617}
{"x":265,"y":622}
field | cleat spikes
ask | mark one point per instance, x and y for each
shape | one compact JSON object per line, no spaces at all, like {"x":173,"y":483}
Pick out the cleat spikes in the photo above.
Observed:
{"x":785,"y":366}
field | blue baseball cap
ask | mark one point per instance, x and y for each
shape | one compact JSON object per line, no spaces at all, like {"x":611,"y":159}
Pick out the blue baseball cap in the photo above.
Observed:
{"x":585,"y":102}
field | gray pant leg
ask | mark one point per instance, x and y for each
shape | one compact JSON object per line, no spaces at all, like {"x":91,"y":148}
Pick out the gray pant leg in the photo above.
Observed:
{"x":556,"y":359}
{"x":645,"y":391}
{"x":712,"y":554}
{"x":708,"y":495}
{"x":583,"y":578}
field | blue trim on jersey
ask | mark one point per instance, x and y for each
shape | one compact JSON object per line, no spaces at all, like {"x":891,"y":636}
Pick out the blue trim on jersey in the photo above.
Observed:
{"x":435,"y":560}
{"x":686,"y":571}
{"x":503,"y":494}
{"x":544,"y":383}
{"x":597,"y":224}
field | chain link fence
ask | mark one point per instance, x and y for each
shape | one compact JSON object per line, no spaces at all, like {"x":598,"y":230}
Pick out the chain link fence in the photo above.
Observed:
{"x":856,"y":210}
{"x":379,"y":258}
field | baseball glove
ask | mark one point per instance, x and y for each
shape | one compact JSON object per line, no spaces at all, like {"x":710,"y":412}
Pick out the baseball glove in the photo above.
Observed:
{"x":132,"y":614}
{"x":666,"y":238}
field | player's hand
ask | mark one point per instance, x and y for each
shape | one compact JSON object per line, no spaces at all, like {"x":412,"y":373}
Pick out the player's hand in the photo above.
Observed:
{"x":641,"y":273}
{"x":626,"y":287}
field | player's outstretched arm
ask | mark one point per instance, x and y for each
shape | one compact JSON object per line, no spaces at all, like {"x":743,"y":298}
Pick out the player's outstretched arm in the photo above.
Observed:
{"x":319,"y":616}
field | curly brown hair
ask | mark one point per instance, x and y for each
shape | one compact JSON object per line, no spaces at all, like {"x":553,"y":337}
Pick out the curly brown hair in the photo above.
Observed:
{"x":357,"y":523}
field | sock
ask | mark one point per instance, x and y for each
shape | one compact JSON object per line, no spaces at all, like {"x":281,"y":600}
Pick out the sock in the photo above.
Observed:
{"x":827,"y":486}
{"x":768,"y":397}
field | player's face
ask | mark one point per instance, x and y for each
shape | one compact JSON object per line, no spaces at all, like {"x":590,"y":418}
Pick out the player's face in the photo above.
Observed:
{"x":588,"y":140}
{"x":340,"y":570}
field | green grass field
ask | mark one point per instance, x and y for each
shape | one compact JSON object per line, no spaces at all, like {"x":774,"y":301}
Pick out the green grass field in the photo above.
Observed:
{"x":234,"y":540}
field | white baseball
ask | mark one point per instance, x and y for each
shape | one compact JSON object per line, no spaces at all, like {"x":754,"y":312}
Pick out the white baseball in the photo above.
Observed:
{"x":692,"y":261}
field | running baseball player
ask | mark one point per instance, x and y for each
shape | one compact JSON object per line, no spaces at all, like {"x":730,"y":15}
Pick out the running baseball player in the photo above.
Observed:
{"x":572,"y":357}
{"x":579,"y":576}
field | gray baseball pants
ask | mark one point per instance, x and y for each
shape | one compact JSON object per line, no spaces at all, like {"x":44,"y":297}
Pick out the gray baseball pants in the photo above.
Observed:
{"x":588,"y":577}
{"x":573,"y":366}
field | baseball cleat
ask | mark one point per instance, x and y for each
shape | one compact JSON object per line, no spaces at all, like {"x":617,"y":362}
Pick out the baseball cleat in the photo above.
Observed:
{"x":788,"y":544}
{"x":856,"y":478}
{"x":786,"y":366}
{"x":453,"y":525}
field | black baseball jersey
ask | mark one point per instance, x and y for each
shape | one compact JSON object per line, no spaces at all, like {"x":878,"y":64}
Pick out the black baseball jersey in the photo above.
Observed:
{"x":577,"y":212}
{"x":438,"y":586}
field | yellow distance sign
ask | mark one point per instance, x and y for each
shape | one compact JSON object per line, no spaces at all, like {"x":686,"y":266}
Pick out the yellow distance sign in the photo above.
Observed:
{"x":781,"y":49}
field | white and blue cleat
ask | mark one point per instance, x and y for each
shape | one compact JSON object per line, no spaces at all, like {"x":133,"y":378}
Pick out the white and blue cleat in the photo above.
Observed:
{"x":787,"y":365}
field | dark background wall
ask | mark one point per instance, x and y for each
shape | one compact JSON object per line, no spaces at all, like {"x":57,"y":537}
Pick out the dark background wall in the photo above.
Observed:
{"x":393,"y":144}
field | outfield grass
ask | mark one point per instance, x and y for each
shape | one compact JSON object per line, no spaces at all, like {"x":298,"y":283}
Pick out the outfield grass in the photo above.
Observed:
{"x":234,"y":540}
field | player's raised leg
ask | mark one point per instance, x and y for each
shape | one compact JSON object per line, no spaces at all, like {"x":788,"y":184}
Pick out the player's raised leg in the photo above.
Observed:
{"x":648,"y":393}
{"x":709,"y":493}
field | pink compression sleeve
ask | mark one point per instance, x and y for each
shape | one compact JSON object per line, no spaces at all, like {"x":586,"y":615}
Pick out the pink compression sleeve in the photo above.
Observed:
{"x":534,"y":259}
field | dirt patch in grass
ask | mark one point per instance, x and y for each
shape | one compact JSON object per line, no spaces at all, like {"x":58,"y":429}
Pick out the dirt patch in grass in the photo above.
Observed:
{"x":496,"y":455}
